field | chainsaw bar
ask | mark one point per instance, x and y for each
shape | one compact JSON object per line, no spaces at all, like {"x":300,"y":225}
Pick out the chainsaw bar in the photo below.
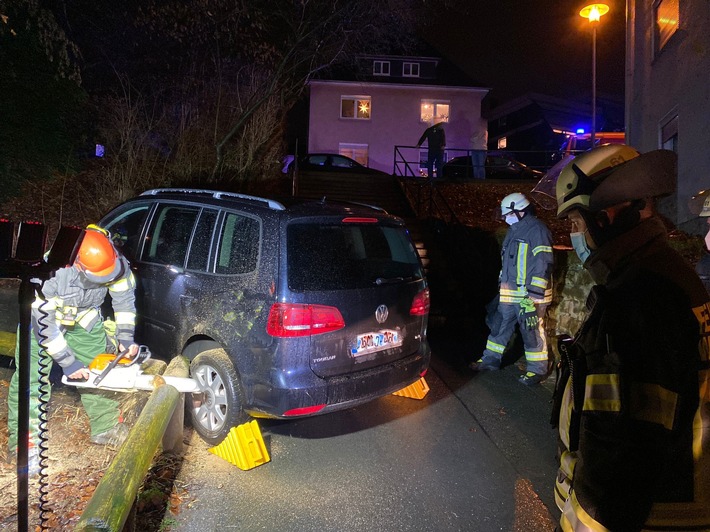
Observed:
{"x":131,"y":379}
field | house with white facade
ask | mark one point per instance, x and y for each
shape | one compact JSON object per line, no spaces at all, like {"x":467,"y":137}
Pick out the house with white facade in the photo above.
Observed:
{"x":390,"y":106}
{"x":668,"y":92}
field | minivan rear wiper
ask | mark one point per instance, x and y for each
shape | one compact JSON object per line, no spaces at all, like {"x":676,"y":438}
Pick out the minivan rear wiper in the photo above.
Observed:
{"x":388,"y":280}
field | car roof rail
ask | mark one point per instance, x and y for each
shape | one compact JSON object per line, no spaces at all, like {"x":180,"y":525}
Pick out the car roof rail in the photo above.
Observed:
{"x":217,"y":194}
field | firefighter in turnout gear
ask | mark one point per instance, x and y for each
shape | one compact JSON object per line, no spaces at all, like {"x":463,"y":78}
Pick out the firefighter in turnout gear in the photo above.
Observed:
{"x":525,"y":290}
{"x":632,"y":400}
{"x":67,"y":325}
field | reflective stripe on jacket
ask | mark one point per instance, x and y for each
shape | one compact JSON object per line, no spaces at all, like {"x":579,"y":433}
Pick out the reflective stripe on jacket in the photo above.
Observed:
{"x":70,"y":300}
{"x":635,"y":425}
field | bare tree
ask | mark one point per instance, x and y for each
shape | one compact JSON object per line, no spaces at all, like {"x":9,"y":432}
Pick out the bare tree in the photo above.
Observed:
{"x":262,"y":54}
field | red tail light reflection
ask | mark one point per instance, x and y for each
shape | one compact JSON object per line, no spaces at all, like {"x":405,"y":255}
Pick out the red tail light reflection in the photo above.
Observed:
{"x":420,"y":304}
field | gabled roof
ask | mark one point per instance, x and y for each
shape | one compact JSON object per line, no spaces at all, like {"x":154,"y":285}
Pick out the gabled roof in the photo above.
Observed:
{"x":434,"y":71}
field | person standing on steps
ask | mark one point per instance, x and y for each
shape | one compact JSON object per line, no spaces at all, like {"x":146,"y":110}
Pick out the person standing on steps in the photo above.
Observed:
{"x":479,"y":145}
{"x":435,"y":137}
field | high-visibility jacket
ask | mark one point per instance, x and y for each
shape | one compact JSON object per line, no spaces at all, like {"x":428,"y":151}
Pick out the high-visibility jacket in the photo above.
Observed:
{"x":634,"y":415}
{"x":70,"y":300}
{"x":526,"y":256}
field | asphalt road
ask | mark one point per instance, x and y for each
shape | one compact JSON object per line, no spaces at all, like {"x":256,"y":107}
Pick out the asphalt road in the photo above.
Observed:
{"x":476,"y":454}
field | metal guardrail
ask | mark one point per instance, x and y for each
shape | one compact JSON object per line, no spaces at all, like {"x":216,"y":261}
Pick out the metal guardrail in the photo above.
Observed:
{"x":410,"y":161}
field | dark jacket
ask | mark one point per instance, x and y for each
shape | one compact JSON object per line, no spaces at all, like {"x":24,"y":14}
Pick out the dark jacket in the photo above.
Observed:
{"x":435,"y":137}
{"x":527,"y":260}
{"x":640,"y":423}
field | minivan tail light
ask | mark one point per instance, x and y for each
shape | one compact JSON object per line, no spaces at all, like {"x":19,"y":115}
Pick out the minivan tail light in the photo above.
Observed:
{"x":420,"y":304}
{"x":289,"y":320}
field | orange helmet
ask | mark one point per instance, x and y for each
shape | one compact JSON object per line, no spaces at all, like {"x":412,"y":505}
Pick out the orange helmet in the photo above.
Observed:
{"x":97,"y":258}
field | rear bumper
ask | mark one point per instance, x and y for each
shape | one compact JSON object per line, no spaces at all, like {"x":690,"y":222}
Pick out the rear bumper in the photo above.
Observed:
{"x":339,"y":393}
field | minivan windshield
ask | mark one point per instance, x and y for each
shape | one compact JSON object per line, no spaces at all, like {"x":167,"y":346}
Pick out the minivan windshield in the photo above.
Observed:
{"x":349,"y":256}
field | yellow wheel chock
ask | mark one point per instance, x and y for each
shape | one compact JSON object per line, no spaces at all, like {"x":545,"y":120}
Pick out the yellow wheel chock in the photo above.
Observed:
{"x":416,"y":390}
{"x":243,"y":447}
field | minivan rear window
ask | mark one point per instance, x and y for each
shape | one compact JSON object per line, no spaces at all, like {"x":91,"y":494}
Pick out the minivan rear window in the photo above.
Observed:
{"x":348,"y":256}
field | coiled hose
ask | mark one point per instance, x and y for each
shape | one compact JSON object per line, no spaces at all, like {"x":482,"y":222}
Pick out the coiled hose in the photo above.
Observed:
{"x":44,"y":366}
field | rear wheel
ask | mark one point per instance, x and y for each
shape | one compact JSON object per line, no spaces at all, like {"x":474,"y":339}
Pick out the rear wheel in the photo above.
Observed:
{"x":219,"y":407}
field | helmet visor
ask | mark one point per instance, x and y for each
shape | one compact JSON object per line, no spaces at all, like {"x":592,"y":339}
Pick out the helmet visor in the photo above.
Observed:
{"x":544,"y":192}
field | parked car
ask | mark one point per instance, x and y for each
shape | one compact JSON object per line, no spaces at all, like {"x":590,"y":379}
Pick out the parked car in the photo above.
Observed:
{"x":283,"y":309}
{"x":331,"y":162}
{"x":497,"y":167}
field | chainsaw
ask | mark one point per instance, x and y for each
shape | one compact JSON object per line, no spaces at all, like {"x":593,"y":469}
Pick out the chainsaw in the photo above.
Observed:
{"x":118,"y":373}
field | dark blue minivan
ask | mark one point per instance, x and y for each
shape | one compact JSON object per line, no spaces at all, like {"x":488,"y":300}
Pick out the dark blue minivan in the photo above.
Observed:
{"x":290,"y":308}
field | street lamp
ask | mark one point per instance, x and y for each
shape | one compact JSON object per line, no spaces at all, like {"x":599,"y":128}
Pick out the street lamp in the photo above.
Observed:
{"x":593,"y":12}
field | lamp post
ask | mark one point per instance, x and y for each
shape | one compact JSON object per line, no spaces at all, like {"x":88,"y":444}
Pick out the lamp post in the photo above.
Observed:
{"x":593,"y":12}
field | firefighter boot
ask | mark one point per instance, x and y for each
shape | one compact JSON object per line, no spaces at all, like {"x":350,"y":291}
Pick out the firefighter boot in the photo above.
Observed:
{"x":484,"y":364}
{"x":32,"y":460}
{"x":531,"y":379}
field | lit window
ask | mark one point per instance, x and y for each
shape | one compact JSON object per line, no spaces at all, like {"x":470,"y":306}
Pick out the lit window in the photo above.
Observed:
{"x":381,"y":68}
{"x":669,"y":133}
{"x":357,"y":107}
{"x":667,"y":15}
{"x":358,"y":152}
{"x":410,"y":70}
{"x":434,"y":110}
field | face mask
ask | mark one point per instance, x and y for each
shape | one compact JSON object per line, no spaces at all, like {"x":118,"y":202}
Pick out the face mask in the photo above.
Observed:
{"x":579,"y":243}
{"x":511,"y":219}
{"x":707,"y":241}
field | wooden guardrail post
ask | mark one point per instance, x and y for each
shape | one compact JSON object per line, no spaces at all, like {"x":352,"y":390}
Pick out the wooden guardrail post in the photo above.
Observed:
{"x":111,"y":503}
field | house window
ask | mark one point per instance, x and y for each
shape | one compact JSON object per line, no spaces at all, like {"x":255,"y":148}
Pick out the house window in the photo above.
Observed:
{"x":502,"y":143}
{"x":359,"y":152}
{"x":381,"y":68}
{"x":667,"y":14}
{"x":434,"y":110}
{"x":410,"y":70}
{"x":357,"y":107}
{"x":669,"y":133}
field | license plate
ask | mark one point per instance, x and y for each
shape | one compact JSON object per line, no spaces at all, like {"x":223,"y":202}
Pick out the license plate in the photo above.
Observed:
{"x":376,"y":341}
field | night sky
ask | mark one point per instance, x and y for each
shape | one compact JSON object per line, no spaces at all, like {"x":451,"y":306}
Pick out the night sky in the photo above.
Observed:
{"x":515,"y":47}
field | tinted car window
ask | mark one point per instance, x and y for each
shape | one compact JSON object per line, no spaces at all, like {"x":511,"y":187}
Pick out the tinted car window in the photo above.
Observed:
{"x":318,"y":160}
{"x":342,"y":162}
{"x":169,"y":234}
{"x":202,"y":241}
{"x":238,"y":245}
{"x":126,"y":228}
{"x":341,"y":257}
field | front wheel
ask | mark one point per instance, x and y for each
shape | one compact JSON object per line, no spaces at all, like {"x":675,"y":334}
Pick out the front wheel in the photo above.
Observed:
{"x":219,"y":407}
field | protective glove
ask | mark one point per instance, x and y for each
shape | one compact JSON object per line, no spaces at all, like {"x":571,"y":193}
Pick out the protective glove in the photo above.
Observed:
{"x":528,"y":314}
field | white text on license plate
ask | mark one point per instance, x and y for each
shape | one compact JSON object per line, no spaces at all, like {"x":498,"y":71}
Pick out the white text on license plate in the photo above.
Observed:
{"x":376,"y":341}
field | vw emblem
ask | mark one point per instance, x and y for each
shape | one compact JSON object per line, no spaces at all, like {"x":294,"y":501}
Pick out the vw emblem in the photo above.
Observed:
{"x":381,"y":314}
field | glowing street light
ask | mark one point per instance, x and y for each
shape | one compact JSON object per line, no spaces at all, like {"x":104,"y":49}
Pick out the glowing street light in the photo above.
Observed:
{"x":594,"y":12}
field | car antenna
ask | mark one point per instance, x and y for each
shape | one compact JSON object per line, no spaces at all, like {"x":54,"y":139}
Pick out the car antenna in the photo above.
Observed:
{"x":322,"y":201}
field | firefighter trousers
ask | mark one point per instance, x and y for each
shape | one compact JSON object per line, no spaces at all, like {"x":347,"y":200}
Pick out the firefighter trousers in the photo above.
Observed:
{"x":535,"y":342}
{"x":102,"y":408}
